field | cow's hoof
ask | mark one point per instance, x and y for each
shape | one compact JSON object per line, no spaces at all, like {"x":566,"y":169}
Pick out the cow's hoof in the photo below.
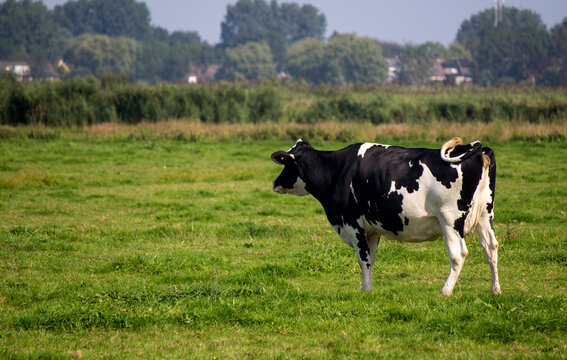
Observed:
{"x":445,"y":292}
{"x":496,"y":291}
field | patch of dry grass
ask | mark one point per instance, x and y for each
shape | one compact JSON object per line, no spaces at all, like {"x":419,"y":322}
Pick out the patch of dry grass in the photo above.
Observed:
{"x":188,"y":130}
{"x":333,"y":131}
{"x":28,"y":177}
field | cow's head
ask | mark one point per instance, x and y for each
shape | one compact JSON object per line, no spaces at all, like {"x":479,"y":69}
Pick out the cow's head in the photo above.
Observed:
{"x":290,"y":180}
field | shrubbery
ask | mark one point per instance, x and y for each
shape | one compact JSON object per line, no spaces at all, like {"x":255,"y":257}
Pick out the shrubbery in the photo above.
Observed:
{"x":79,"y":102}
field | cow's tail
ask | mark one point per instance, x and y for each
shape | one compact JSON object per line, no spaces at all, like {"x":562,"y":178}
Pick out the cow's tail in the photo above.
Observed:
{"x":453,"y":150}
{"x":490,"y":162}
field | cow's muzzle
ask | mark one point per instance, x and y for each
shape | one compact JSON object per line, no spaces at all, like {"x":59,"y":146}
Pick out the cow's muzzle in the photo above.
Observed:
{"x":278,"y":188}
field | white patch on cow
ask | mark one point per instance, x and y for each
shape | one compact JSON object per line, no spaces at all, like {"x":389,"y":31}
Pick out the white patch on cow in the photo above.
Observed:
{"x":352,"y":191}
{"x":393,"y":187}
{"x":298,"y":188}
{"x":347,"y":234}
{"x":365,"y":146}
{"x":294,"y":146}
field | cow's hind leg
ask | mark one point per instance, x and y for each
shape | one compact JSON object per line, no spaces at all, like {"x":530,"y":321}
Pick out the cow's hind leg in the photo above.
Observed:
{"x":458,"y":252}
{"x":490,"y":246}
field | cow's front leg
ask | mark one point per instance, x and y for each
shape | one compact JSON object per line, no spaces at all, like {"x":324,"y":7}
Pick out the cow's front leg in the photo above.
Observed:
{"x":365,"y":249}
{"x":372,"y":241}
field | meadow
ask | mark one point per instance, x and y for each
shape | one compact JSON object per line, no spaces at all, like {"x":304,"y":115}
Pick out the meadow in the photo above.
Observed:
{"x":166,"y":241}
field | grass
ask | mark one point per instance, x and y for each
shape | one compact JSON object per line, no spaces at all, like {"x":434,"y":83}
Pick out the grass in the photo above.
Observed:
{"x":117,"y":247}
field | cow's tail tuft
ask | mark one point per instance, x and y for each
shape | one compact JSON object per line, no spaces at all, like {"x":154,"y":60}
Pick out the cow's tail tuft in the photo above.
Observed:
{"x":453,"y":150}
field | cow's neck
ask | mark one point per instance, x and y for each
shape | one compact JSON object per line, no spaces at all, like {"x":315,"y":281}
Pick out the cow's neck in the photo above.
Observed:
{"x":320,"y":170}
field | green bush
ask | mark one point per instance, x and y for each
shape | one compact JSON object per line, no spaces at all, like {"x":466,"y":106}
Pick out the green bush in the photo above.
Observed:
{"x":83,"y":101}
{"x":264,"y":104}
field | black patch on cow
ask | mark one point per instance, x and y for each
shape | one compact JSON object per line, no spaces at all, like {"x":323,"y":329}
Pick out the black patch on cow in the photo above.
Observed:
{"x":459,"y":225}
{"x":400,"y":164}
{"x":491,"y":219}
{"x":406,"y":221}
{"x":363,"y":248}
{"x":443,"y":172}
{"x":472,"y":173}
{"x":465,"y":149}
{"x":388,"y":212}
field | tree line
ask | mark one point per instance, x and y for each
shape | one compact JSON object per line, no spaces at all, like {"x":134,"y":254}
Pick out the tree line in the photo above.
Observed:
{"x":260,"y":39}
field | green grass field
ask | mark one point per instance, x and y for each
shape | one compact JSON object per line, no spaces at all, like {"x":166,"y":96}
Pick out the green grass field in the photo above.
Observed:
{"x":115,"y":249}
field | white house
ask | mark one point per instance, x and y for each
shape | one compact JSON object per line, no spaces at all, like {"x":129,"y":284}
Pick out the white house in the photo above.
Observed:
{"x":20,"y":68}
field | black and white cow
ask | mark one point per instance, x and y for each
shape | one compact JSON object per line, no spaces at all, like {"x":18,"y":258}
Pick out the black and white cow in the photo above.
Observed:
{"x":414,"y":195}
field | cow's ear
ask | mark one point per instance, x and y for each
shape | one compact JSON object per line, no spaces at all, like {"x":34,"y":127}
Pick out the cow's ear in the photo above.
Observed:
{"x":282,"y":158}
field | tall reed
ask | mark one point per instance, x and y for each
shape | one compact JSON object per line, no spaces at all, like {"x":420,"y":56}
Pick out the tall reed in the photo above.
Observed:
{"x":80,"y":102}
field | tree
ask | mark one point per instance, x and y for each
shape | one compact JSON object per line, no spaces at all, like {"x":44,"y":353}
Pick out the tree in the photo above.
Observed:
{"x":470,"y":31}
{"x":25,"y":29}
{"x":557,"y":72}
{"x":174,"y":56}
{"x":299,"y":23}
{"x":457,"y":51}
{"x":102,"y":54}
{"x":345,"y":59}
{"x":183,"y":57}
{"x":357,"y":60}
{"x":512,"y":55}
{"x":306,"y":59}
{"x":106,"y":17}
{"x":391,"y":49}
{"x":531,"y":53}
{"x":151,"y":62}
{"x":559,"y":40}
{"x":251,"y":61}
{"x":258,"y":21}
{"x":516,"y":50}
{"x":187,"y":37}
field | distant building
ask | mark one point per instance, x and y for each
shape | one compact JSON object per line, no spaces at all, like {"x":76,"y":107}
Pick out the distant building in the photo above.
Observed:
{"x":458,"y":71}
{"x":48,"y":72}
{"x":283,"y":76}
{"x":438,"y":72}
{"x":452,"y":72}
{"x":202,"y":74}
{"x":393,"y":68}
{"x":20,"y":68}
{"x":192,"y":79}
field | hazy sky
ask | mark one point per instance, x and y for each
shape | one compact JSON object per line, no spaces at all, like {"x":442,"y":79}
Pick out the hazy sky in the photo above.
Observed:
{"x":401,"y":21}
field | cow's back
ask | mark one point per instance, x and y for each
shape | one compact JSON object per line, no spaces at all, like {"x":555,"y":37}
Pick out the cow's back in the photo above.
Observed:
{"x":400,"y":192}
